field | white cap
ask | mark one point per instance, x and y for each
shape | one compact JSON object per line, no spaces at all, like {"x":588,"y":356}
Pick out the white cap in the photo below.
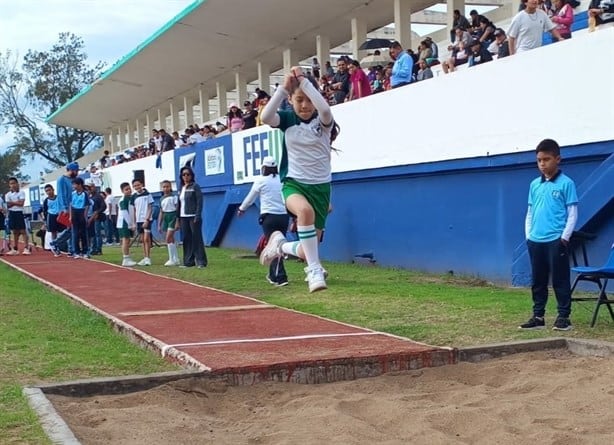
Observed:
{"x":269,"y":161}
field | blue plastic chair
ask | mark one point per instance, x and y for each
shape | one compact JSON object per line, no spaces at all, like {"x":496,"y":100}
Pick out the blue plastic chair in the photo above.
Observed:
{"x":599,"y":276}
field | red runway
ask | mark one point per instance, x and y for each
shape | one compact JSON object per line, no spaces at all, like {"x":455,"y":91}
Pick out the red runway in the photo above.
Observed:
{"x":213,"y":330}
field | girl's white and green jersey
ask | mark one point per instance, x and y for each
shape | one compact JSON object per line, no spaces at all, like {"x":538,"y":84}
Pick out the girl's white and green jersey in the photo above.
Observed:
{"x":305,"y":149}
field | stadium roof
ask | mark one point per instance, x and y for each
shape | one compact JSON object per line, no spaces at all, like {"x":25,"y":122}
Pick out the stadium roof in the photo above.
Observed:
{"x":209,"y":42}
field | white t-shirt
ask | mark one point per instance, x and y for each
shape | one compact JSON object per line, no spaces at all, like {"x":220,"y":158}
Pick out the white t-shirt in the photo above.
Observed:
{"x":271,"y":200}
{"x":96,"y":178}
{"x":111,"y":202}
{"x":528,"y":29}
{"x":142,"y":201}
{"x":15,"y":197}
{"x":169,"y":203}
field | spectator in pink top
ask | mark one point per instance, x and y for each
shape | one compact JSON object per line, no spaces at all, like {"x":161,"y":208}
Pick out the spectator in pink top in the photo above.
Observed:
{"x":234,"y":118}
{"x":360,"y":86}
{"x":563,"y":18}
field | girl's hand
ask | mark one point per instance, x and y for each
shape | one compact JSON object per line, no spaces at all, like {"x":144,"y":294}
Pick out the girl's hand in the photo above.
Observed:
{"x":289,"y":82}
{"x":297,"y":71}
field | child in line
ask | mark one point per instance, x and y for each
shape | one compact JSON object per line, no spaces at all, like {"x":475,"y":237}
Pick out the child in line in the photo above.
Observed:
{"x":167,"y":222}
{"x":4,"y":245}
{"x":15,"y":200}
{"x":51,"y":209}
{"x":551,"y":217}
{"x":125,"y":223}
{"x":79,"y":205}
{"x":143,"y":202}
{"x":305,"y":170}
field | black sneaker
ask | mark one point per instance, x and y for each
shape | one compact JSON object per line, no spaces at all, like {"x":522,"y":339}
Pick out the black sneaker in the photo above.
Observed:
{"x":533,"y":323}
{"x":562,"y":324}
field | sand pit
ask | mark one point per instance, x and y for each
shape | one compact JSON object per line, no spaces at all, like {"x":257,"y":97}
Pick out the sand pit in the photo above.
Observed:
{"x":543,"y":397}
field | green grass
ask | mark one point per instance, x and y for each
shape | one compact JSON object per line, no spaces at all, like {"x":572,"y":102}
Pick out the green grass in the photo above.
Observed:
{"x":46,"y":338}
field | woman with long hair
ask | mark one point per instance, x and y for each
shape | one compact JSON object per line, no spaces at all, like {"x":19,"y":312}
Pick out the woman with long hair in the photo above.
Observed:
{"x":190,"y":220}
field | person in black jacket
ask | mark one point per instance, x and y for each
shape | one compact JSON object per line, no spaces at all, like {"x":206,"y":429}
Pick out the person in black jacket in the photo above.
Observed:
{"x":190,"y":220}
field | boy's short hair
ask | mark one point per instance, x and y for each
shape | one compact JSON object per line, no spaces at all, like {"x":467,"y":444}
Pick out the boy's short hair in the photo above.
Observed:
{"x":123,"y":185}
{"x":549,"y":146}
{"x":166,"y":181}
{"x":136,"y":180}
{"x":13,"y":178}
{"x":48,"y":186}
{"x":78,"y":181}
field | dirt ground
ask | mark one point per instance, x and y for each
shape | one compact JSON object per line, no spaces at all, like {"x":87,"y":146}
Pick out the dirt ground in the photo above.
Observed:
{"x":545,"y":397}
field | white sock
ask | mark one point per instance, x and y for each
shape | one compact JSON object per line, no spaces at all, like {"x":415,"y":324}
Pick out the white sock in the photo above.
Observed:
{"x":174,"y":255}
{"x":308,"y":238}
{"x":291,"y":248}
{"x":169,"y":247}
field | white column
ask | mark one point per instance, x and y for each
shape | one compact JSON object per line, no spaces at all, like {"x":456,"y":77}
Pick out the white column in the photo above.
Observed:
{"x":149,"y":122}
{"x":109,"y":143}
{"x":290,"y":60}
{"x":241,"y":88}
{"x":159,"y":119}
{"x":121,"y":142}
{"x":174,"y":117}
{"x":322,"y":51}
{"x":188,"y":111}
{"x":264,"y":78}
{"x":402,"y":22}
{"x":140,"y":133}
{"x":129,"y":134}
{"x":359,"y":35}
{"x":203,"y":102}
{"x":222,"y":104}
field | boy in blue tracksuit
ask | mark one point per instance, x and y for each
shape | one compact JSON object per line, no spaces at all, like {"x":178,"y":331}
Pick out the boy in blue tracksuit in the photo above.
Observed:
{"x":551,"y":217}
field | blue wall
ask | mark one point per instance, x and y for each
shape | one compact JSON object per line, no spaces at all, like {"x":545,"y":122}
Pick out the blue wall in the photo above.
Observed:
{"x":465,"y":216}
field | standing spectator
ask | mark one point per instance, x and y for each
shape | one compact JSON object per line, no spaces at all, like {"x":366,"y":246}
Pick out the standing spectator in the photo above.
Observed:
{"x":315,"y":67}
{"x":143,"y":202}
{"x":341,"y":82}
{"x":167,"y":222}
{"x":15,"y":200}
{"x":424,"y":72}
{"x":96,"y":220}
{"x":360,"y":86}
{"x":307,"y":175}
{"x":600,"y":12}
{"x":105,"y":160}
{"x":249,"y":115}
{"x":458,"y":20}
{"x":190,"y":217}
{"x":111,"y":212}
{"x":79,"y":205}
{"x":96,"y":176}
{"x":65,"y":188}
{"x":167,"y":143}
{"x":234,"y":118}
{"x":51,"y":209}
{"x":551,"y":217}
{"x":273,"y":214}
{"x":402,"y":67}
{"x":563,"y":18}
{"x":125,"y":223}
{"x":525,"y":32}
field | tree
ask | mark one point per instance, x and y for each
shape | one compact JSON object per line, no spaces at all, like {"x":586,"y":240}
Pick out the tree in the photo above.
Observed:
{"x":45,"y":82}
{"x":10,"y":163}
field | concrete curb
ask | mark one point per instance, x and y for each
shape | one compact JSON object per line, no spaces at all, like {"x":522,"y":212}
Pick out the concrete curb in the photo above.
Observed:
{"x":54,"y":426}
{"x":486,"y":352}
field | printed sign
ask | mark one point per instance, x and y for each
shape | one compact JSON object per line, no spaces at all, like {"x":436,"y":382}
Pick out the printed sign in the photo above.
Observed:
{"x":249,"y":147}
{"x":214,"y":161}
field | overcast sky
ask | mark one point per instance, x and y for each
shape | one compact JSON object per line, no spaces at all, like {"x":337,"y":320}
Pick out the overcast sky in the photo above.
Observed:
{"x":109,"y":28}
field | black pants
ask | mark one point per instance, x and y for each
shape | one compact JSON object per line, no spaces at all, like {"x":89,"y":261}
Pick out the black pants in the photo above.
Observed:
{"x":193,"y":245}
{"x":547,"y":259}
{"x":270,"y":223}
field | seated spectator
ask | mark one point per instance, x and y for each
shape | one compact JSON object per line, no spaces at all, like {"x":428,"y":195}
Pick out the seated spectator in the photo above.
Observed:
{"x":599,"y":13}
{"x":458,"y":20}
{"x":500,"y":47}
{"x":178,"y":141}
{"x":207,"y":132}
{"x":234,"y":118}
{"x":424,"y":71}
{"x":359,"y":84}
{"x":486,"y":33}
{"x":563,"y":17}
{"x":435,"y":51}
{"x":474,"y":22}
{"x":387,"y":77}
{"x":424,"y":51}
{"x":478,"y":54}
{"x":249,"y":115}
{"x":458,"y":50}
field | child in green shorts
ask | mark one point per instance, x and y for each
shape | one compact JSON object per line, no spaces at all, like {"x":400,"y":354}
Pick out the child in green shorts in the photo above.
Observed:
{"x":126,"y":223}
{"x":167,"y":221}
{"x":305,"y":170}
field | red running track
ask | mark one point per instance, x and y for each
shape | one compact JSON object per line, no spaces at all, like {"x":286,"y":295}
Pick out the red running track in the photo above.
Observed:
{"x":213,"y":330}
